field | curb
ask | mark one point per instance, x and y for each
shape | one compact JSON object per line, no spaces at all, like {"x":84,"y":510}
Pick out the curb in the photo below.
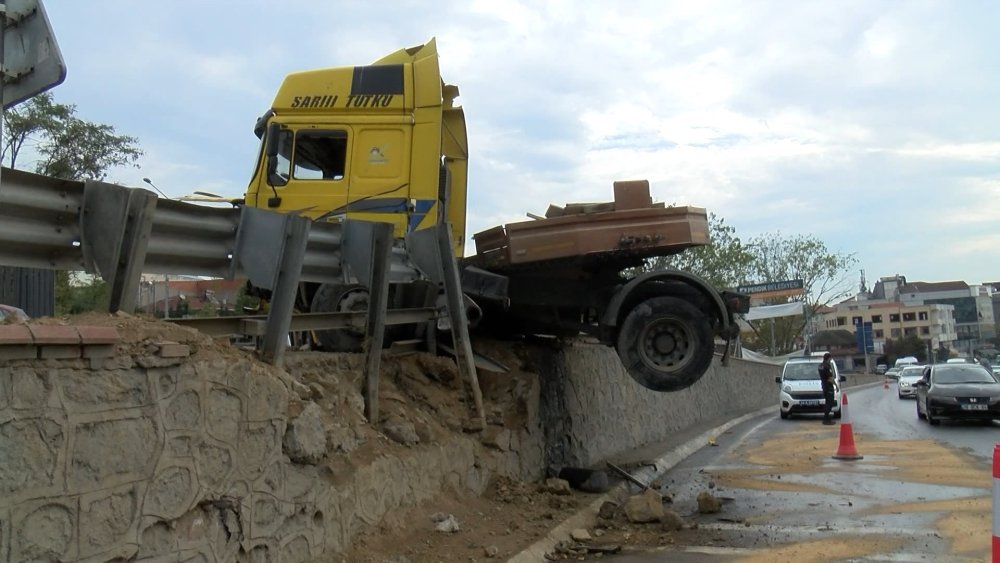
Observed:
{"x":586,"y":517}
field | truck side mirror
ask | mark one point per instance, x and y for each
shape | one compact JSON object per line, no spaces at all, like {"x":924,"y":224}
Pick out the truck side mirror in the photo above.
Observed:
{"x":843,"y":378}
{"x":271,"y":147}
{"x":777,"y":379}
{"x":271,"y":154}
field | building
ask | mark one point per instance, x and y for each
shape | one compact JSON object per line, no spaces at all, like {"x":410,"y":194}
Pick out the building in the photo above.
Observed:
{"x":932,"y":322}
{"x":180,"y":295}
{"x":949,"y":314}
{"x":975,"y":323}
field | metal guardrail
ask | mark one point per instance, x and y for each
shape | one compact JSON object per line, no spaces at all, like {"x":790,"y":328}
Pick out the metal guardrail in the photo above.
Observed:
{"x":119,"y":233}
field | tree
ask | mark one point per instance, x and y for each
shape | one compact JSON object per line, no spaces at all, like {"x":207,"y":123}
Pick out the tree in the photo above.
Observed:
{"x":37,"y":116}
{"x":67,"y":146}
{"x":823,"y":273}
{"x":80,"y":149}
{"x":724,"y":263}
{"x":906,"y":346}
{"x":730,"y":262}
{"x":824,"y":280}
{"x":70,"y":148}
{"x":74,"y":299}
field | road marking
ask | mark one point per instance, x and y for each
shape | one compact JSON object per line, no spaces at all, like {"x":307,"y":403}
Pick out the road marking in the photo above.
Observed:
{"x":814,"y":530}
{"x":879,"y":557}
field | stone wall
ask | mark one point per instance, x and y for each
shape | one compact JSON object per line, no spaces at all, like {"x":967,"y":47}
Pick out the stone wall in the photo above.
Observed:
{"x":179,"y":459}
{"x":158,"y":456}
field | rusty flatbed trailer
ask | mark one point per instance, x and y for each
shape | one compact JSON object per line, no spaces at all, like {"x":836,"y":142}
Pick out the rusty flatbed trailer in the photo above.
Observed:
{"x":573,"y":271}
{"x":646,"y":232}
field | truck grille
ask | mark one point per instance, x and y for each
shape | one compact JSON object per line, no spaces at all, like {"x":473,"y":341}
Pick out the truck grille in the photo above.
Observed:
{"x":806,"y":395}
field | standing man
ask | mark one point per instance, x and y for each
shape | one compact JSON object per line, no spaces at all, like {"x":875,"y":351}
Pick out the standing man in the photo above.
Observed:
{"x":826,"y":379}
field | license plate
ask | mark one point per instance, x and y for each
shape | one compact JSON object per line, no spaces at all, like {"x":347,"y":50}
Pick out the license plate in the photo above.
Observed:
{"x":813,"y":403}
{"x":974,"y":407}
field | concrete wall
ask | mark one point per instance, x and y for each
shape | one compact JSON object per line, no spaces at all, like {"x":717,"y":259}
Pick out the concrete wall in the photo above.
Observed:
{"x":592,"y":410}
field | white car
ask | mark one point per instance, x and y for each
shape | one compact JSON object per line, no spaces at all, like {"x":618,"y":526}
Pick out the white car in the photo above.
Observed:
{"x":907,"y":377}
{"x":801,"y":391}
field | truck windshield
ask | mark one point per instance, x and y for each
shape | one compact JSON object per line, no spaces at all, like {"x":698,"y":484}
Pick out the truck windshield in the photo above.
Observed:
{"x":320,"y":155}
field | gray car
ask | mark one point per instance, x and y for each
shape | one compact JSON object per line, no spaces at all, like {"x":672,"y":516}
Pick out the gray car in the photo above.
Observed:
{"x":958,"y":391}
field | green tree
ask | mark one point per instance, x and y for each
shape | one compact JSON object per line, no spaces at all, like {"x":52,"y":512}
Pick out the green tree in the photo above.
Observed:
{"x":67,"y":147}
{"x":79,"y":298}
{"x":730,"y":262}
{"x":36,"y":117}
{"x":726,"y":262}
{"x":70,"y":148}
{"x":906,"y":346}
{"x":824,"y":276}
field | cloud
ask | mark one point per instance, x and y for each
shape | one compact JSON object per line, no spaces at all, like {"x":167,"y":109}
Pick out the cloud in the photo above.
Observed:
{"x":869,"y":125}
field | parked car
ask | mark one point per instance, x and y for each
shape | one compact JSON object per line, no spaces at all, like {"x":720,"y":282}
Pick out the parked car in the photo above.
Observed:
{"x":907,"y":377}
{"x":893,"y":373}
{"x":957,"y":391}
{"x":881,"y":369}
{"x":801,"y":391}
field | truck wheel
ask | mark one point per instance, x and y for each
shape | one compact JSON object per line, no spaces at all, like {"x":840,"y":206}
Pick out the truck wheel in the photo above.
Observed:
{"x":336,"y":298}
{"x":666,"y":344}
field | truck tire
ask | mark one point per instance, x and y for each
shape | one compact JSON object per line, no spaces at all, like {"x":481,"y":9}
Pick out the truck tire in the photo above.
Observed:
{"x":338,"y":298}
{"x":666,"y":344}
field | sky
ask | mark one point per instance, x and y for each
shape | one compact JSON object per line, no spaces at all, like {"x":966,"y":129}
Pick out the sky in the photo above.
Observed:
{"x":871,"y":125}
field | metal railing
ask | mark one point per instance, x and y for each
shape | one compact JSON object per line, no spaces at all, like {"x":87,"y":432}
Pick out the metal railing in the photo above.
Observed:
{"x":119,"y":233}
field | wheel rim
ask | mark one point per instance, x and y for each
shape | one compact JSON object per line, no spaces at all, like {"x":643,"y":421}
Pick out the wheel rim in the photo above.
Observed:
{"x":356,"y":300}
{"x":665,"y":344}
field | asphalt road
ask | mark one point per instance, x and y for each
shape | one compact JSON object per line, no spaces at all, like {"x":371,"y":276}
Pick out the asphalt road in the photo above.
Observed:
{"x":921,"y":493}
{"x":880,"y":412}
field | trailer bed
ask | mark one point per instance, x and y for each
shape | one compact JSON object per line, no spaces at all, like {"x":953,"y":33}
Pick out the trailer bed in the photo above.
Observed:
{"x":632,"y":225}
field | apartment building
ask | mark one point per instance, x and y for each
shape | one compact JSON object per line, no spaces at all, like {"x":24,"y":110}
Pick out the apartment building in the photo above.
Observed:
{"x":975,"y":324}
{"x":931,"y":322}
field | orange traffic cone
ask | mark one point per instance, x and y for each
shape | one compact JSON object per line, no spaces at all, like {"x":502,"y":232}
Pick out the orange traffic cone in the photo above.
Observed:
{"x":885,"y":385}
{"x":847,"y":451}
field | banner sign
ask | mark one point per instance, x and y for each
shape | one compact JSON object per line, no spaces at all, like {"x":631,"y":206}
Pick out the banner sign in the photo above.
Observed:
{"x":773,"y":289}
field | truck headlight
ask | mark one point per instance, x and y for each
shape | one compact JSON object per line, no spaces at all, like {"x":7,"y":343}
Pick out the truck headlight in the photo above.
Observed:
{"x":787,"y":389}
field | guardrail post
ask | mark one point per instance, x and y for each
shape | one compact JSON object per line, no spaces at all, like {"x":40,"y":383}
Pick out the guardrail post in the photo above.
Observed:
{"x":279,"y":317}
{"x":378,"y":297}
{"x":431,"y":250}
{"x":459,"y":322}
{"x":115,"y":223}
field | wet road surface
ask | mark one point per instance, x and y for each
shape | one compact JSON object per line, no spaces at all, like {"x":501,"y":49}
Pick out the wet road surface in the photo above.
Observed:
{"x":921,"y":493}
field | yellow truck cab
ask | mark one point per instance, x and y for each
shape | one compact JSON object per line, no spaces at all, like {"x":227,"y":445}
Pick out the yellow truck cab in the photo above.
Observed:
{"x":383,"y":142}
